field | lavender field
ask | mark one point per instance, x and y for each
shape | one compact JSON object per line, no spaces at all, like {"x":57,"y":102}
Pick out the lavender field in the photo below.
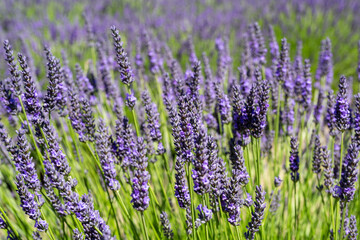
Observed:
{"x":194,"y":119}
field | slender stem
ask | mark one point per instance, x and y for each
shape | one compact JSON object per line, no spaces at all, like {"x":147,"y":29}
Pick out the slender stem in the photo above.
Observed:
{"x":8,"y":222}
{"x":341,"y":153}
{"x":134,"y":116}
{"x":191,"y":199}
{"x":32,"y":135}
{"x":277,"y":121}
{"x":295,"y":209}
{"x":206,"y":224}
{"x":342,"y":221}
{"x":144,"y":225}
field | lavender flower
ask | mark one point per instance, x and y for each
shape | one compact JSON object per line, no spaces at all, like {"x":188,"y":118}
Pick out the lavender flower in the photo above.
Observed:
{"x":106,"y":158}
{"x":258,"y":118}
{"x":165,"y":223}
{"x":353,"y":232}
{"x":294,"y":159}
{"x":152,"y":117}
{"x":140,"y":193}
{"x":325,"y":63}
{"x":31,"y":102}
{"x":77,"y":235}
{"x":223,"y":104}
{"x":53,"y":74}
{"x":87,"y":119}
{"x":75,"y":115}
{"x":277,"y":181}
{"x":316,"y":163}
{"x":273,"y":45}
{"x":181,"y":190}
{"x":15,"y":74}
{"x":238,"y":165}
{"x":125,"y":70}
{"x":24,"y":163}
{"x":346,"y":188}
{"x":356,"y":136}
{"x":152,"y":55}
{"x":257,"y":214}
{"x":104,"y":71}
{"x":282,"y":67}
{"x":29,"y":204}
{"x":342,"y":113}
{"x":201,"y":165}
{"x":306,"y":86}
{"x":327,"y":168}
{"x":204,"y":215}
{"x":130,"y":100}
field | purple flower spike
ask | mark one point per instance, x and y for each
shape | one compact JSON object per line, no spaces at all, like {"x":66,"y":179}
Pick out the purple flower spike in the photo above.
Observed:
{"x":125,"y":70}
{"x":342,"y":112}
{"x":140,"y":193}
{"x":294,"y":159}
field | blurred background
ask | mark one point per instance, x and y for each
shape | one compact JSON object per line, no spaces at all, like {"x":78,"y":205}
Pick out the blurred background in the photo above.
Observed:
{"x":68,"y":24}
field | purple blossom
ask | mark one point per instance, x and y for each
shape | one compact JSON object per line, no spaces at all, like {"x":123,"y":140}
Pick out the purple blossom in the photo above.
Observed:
{"x":342,"y":112}
{"x":140,"y":194}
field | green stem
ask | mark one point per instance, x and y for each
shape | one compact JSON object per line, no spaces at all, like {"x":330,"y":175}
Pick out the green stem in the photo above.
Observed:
{"x":277,"y":121}
{"x":8,"y":222}
{"x":32,"y":135}
{"x":144,"y":226}
{"x":342,"y":222}
{"x":341,"y":153}
{"x":134,"y":116}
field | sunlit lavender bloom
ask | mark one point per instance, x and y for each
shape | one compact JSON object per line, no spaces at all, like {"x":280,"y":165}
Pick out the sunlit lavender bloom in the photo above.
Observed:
{"x":327,"y":168}
{"x":204,"y":216}
{"x":294,"y":159}
{"x":152,"y":117}
{"x":342,"y":112}
{"x":201,"y":165}
{"x":53,"y":74}
{"x":130,"y":100}
{"x":103,"y":150}
{"x":31,"y":102}
{"x":125,"y":70}
{"x":165,"y":223}
{"x":316,"y":163}
{"x":140,"y":194}
{"x":349,"y":175}
{"x":257,"y":214}
{"x":325,"y":68}
{"x":181,"y":190}
{"x":353,"y":232}
{"x":152,"y":55}
{"x":277,"y":181}
{"x":14,"y":72}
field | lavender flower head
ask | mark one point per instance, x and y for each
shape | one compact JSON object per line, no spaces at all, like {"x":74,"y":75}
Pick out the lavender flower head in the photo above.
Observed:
{"x":257,"y":214}
{"x":204,"y":216}
{"x":277,"y":181}
{"x":106,"y":157}
{"x":15,"y":74}
{"x":182,"y":193}
{"x":201,"y":165}
{"x":125,"y":70}
{"x":342,"y":112}
{"x":130,"y":100}
{"x":349,"y":175}
{"x":165,"y":223}
{"x":294,"y":159}
{"x":140,"y":193}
